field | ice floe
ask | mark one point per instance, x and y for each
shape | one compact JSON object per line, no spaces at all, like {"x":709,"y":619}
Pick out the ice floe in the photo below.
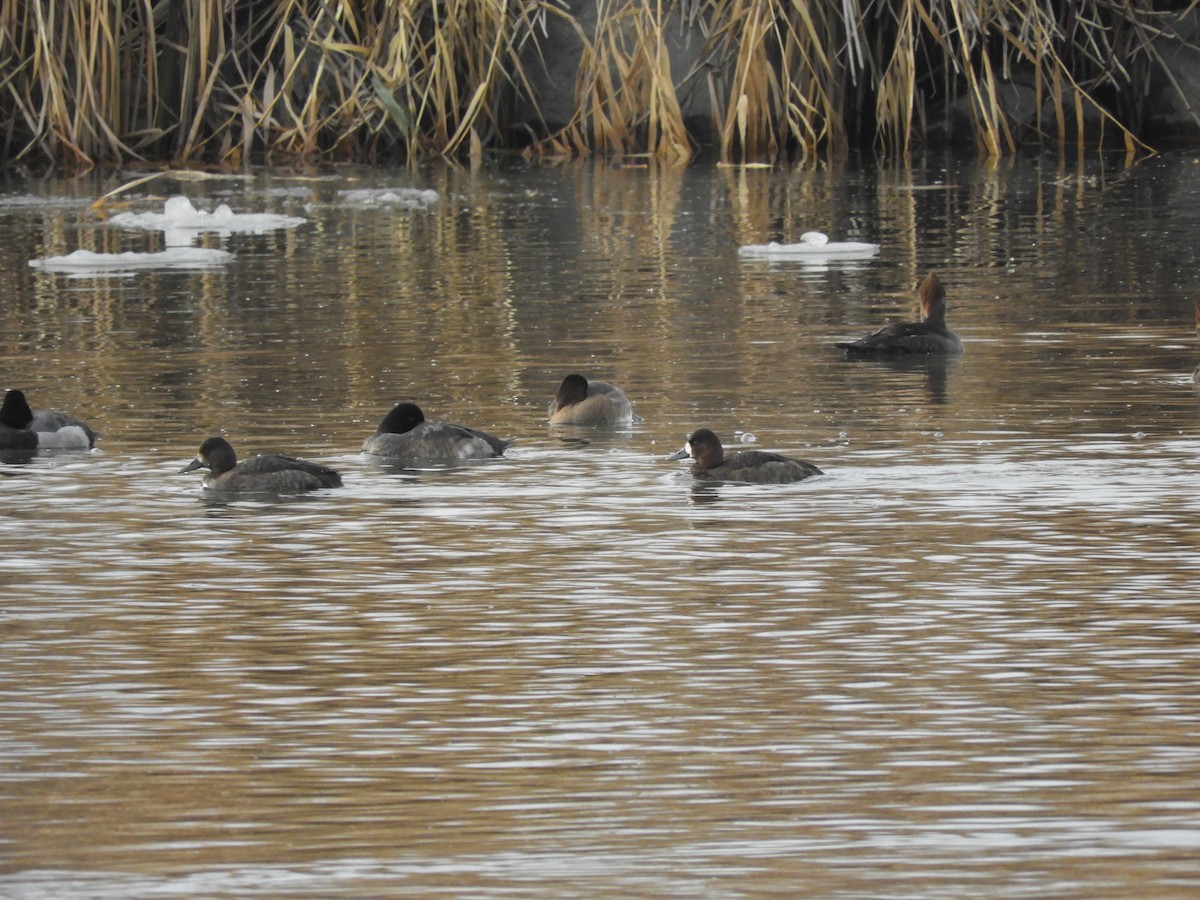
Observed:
{"x":180,"y":216}
{"x":86,"y":262}
{"x":181,"y":224}
{"x":812,"y":245}
{"x":399,"y":198}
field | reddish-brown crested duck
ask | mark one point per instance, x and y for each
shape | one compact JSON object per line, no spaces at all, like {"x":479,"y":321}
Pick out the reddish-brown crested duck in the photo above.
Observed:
{"x":929,"y":337}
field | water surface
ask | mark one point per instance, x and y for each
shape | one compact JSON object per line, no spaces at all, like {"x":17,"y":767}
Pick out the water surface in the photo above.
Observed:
{"x":964,"y":660}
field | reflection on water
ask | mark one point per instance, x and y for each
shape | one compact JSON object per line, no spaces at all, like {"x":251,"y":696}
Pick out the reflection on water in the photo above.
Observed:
{"x":963,"y":659}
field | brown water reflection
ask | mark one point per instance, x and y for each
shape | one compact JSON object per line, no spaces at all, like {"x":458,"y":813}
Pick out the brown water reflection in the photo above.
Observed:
{"x":963,"y":660}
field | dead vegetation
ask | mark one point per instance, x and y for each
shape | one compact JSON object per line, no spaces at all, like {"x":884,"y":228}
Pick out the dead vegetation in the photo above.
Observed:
{"x":83,"y":81}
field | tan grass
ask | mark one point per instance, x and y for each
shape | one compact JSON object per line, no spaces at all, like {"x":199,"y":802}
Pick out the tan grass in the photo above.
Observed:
{"x":208,"y":81}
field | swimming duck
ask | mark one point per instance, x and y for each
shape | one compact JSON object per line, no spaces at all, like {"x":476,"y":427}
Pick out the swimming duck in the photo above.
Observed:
{"x":754,"y":466}
{"x":582,"y":402}
{"x":929,"y":337}
{"x":268,"y":474}
{"x":25,"y":429}
{"x":405,"y":434}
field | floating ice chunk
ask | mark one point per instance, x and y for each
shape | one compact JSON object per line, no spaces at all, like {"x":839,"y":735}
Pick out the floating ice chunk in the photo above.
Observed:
{"x":179,"y":215}
{"x":84,"y":262}
{"x":405,"y":198}
{"x":811,"y":244}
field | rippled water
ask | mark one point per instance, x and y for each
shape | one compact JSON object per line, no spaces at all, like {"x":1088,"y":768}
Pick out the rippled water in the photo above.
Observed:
{"x":965,"y":660}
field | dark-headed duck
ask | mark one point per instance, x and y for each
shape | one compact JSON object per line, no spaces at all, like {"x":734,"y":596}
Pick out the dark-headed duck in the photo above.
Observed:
{"x":267,"y":474}
{"x":929,"y":337}
{"x":753,"y":466}
{"x":22,"y":428}
{"x":405,"y":434}
{"x":582,"y":402}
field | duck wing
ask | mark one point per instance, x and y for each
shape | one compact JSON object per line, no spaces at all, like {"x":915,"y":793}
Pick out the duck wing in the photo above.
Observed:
{"x":763,"y":467}
{"x":288,"y":472}
{"x":434,"y":441}
{"x":908,"y":337}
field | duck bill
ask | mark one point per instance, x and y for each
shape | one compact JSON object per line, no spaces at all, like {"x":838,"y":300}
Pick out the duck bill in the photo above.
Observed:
{"x":680,"y":454}
{"x":196,"y":463}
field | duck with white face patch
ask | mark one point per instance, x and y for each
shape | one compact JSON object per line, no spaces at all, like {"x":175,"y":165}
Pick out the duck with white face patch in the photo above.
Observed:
{"x":266,"y":474}
{"x":750,"y":466}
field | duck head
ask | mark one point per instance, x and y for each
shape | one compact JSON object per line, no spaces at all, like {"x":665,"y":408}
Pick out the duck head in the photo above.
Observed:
{"x":215,"y":454}
{"x":15,"y":413}
{"x":574,"y":389}
{"x":932,"y":297}
{"x":403,"y":418}
{"x":704,"y":447}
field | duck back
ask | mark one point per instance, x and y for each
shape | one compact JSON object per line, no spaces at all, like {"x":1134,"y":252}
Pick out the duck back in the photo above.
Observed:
{"x":405,"y":434}
{"x":914,"y":338}
{"x":760,"y":467}
{"x":436,"y":441}
{"x":273,"y":473}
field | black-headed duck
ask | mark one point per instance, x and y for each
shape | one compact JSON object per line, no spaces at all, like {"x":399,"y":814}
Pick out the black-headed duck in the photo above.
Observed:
{"x":404,"y":434}
{"x":22,"y":428}
{"x":752,"y":466}
{"x":929,"y":337}
{"x":582,"y":402}
{"x":266,"y":474}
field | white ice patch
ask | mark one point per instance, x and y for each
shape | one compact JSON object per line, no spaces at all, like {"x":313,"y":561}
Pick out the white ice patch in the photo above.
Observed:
{"x":812,"y":244}
{"x":85,"y":262}
{"x":399,"y":198}
{"x":180,"y":217}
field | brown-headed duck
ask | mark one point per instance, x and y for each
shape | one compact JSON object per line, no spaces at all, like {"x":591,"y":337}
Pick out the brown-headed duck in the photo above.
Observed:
{"x":266,"y":474}
{"x":582,"y":402}
{"x":752,"y":466}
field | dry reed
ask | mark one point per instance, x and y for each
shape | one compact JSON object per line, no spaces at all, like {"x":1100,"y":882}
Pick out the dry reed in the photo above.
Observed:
{"x":201,"y":80}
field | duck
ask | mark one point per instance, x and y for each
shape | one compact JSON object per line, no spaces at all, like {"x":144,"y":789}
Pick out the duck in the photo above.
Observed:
{"x":929,"y":337}
{"x":23,"y":428}
{"x":582,"y":402}
{"x":751,"y":466}
{"x":405,"y":434}
{"x":268,"y":473}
